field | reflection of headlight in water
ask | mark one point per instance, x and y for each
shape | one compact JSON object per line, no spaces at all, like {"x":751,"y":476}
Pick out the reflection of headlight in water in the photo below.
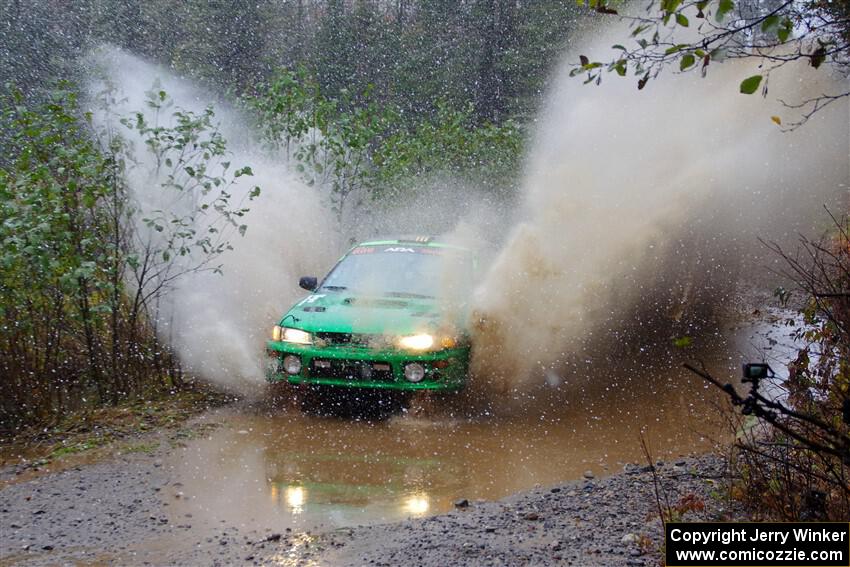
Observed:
{"x":417,"y":504}
{"x":295,"y":497}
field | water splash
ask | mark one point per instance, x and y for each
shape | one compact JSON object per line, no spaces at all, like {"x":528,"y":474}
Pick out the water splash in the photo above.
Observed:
{"x":218,"y":323}
{"x":642,"y":207}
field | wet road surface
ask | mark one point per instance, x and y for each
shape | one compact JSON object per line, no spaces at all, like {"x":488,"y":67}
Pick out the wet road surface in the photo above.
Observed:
{"x":224,"y":492}
{"x":287,"y":469}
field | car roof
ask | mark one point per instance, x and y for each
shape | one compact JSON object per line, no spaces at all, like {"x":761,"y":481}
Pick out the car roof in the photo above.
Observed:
{"x":411,"y":241}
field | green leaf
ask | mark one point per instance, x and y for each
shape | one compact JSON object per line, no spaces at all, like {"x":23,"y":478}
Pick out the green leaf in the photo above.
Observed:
{"x":784,"y":32}
{"x":751,"y":84}
{"x":676,"y":48}
{"x":620,"y":67}
{"x":639,"y":30}
{"x":687,"y":61}
{"x":682,"y":20}
{"x":683,"y":342}
{"x":723,"y":8}
{"x":670,"y":5}
{"x":770,"y":23}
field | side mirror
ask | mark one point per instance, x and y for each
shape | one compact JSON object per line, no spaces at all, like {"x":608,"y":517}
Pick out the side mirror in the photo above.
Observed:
{"x":310,"y":283}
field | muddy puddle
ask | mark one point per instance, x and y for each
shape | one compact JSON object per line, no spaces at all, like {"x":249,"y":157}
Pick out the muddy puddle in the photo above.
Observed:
{"x":284,"y":470}
{"x":303,"y":472}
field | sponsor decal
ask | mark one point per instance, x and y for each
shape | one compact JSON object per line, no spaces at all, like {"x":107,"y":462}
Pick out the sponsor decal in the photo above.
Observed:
{"x":363,"y":250}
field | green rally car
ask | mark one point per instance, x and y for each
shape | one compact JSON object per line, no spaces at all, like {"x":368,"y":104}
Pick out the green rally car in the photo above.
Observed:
{"x":391,"y":315}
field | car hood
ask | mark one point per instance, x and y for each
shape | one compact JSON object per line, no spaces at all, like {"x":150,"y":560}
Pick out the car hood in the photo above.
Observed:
{"x":340,"y":312}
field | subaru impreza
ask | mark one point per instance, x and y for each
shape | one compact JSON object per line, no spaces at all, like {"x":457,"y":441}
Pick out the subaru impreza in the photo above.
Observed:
{"x":390,"y":315}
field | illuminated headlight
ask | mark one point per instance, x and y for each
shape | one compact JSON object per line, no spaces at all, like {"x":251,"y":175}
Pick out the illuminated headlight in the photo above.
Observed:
{"x":292,"y":364}
{"x":416,"y":342}
{"x":414,"y":372}
{"x":296,"y":336}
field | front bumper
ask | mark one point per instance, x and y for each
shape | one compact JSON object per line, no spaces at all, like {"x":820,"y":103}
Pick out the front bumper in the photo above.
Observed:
{"x":361,"y":367}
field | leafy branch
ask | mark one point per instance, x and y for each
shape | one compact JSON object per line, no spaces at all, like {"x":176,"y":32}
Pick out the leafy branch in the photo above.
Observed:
{"x":198,"y":211}
{"x":817,"y":32}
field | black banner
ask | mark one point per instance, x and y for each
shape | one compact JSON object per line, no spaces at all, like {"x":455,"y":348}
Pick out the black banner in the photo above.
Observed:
{"x":809,"y":544}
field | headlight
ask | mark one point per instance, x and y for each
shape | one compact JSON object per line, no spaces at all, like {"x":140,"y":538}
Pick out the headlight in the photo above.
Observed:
{"x":416,"y":342}
{"x":276,"y":332}
{"x":296,"y":336}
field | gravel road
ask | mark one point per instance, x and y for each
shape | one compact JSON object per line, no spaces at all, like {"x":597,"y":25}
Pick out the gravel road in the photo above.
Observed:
{"x":116,"y":511}
{"x":609,"y":521}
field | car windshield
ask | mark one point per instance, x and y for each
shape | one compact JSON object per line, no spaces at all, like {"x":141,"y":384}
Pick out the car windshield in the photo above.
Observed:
{"x":402,"y":271}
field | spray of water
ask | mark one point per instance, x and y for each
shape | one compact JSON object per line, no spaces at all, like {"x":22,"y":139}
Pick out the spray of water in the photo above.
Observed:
{"x":642,"y":208}
{"x":637,"y":207}
{"x":218,"y":323}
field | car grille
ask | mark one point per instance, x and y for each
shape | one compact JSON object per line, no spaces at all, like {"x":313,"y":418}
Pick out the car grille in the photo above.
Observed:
{"x":352,"y":339}
{"x":354,"y":370}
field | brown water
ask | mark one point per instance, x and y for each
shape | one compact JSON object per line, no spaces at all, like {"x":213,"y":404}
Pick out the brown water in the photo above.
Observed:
{"x":288,"y":469}
{"x":300,"y":471}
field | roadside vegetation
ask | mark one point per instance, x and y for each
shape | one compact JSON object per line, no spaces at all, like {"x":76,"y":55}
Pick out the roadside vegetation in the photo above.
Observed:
{"x":793,"y":447}
{"x":81,"y":284}
{"x":128,"y":427}
{"x":790,"y":458}
{"x":358,"y":98}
